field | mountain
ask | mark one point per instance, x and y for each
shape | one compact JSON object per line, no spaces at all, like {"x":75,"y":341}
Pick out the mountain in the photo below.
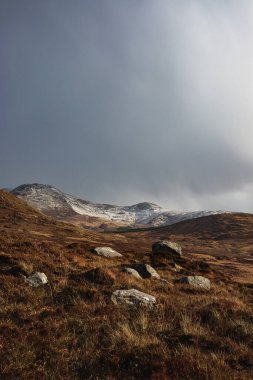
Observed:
{"x":54,"y":202}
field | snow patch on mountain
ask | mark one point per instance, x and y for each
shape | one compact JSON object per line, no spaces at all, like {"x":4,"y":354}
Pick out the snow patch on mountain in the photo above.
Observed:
{"x":139,"y":213}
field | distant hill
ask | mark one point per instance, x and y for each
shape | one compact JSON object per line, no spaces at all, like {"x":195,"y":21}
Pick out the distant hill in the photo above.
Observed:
{"x":219,"y":226}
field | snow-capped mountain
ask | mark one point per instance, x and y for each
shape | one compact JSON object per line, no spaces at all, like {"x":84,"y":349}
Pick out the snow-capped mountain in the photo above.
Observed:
{"x":54,"y":202}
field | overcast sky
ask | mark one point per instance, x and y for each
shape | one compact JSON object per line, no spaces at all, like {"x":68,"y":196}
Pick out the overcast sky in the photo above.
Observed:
{"x":125,"y":101}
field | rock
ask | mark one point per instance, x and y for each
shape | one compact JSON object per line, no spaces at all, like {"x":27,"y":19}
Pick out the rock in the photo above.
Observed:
{"x":164,"y":251}
{"x":197,"y":282}
{"x":132,"y":272}
{"x":36,"y":279}
{"x":100,"y":276}
{"x":106,"y":252}
{"x":145,"y":270}
{"x":167,"y":247}
{"x":133,"y":297}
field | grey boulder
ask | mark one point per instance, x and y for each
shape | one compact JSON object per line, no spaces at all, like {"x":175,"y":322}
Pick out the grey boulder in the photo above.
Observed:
{"x":197,"y":282}
{"x":145,"y":270}
{"x":132,"y":272}
{"x":133,"y":297}
{"x":106,"y":252}
{"x":166,"y":247}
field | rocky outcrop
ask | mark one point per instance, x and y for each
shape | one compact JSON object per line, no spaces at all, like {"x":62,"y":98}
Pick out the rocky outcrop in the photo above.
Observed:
{"x":145,"y":270}
{"x":36,"y":279}
{"x":197,"y":282}
{"x":106,"y":252}
{"x":133,"y":297}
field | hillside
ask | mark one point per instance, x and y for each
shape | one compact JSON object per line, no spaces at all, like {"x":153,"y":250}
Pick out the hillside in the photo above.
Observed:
{"x":224,"y":240}
{"x":71,"y":329}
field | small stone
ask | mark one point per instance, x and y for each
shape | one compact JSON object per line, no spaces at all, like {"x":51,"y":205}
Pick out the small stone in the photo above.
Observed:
{"x":163,"y":280}
{"x":133,"y":297}
{"x":106,"y":252}
{"x":197,"y":282}
{"x":36,"y":279}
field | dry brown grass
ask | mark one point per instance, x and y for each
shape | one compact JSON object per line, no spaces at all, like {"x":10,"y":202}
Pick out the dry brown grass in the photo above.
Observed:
{"x":69,"y":329}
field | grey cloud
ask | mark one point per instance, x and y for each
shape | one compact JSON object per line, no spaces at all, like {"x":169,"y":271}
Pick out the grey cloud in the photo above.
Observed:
{"x":127,"y":101}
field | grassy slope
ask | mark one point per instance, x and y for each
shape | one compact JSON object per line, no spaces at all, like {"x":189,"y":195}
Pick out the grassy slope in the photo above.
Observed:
{"x":69,"y":329}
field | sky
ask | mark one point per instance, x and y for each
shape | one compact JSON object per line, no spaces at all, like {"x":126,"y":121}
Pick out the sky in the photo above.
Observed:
{"x":124,"y":101}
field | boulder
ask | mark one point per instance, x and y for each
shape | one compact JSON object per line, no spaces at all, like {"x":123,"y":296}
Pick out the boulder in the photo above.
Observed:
{"x":167,"y":247}
{"x":145,"y":270}
{"x":36,"y":279}
{"x":164,"y":251}
{"x":132,"y":272}
{"x":106,"y":252}
{"x":133,"y":297}
{"x":197,"y":282}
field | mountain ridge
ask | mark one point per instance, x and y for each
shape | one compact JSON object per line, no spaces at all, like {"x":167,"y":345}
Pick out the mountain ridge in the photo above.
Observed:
{"x":63,"y":206}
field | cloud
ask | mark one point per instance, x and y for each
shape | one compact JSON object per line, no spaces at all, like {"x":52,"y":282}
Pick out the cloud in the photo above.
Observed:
{"x":127,"y":101}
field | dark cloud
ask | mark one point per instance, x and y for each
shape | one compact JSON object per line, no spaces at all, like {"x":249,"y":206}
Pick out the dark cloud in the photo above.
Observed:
{"x":129,"y":101}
